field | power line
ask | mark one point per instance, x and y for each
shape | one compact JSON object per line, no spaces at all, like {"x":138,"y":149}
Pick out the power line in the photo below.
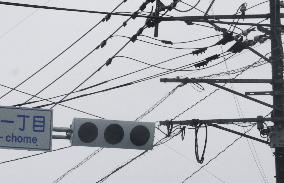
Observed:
{"x":181,"y":42}
{"x":90,"y":76}
{"x":68,"y":107}
{"x":74,"y":91}
{"x":158,"y":103}
{"x":33,"y":155}
{"x":61,"y":53}
{"x":141,"y":154}
{"x":100,"y":149}
{"x":129,"y":15}
{"x":20,"y":22}
{"x":216,"y":156}
{"x":255,"y":156}
{"x":164,"y":46}
{"x":131,"y":83}
{"x":250,"y":143}
{"x":134,"y":158}
{"x":118,"y":86}
{"x":89,"y":157}
{"x":106,"y":81}
{"x":101,"y":45}
{"x":70,"y":9}
{"x":191,"y":8}
{"x":109,"y":61}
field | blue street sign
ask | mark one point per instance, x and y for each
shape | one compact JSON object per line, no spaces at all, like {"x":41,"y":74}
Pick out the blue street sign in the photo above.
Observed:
{"x":25,"y":128}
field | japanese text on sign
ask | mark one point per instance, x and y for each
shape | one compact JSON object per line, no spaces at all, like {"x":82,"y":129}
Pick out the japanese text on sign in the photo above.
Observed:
{"x":24,"y":128}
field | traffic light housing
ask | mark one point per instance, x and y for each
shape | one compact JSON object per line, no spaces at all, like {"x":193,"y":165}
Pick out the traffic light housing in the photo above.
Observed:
{"x":112,"y":134}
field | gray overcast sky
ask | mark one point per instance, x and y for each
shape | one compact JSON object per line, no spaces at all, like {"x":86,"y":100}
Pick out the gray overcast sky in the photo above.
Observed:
{"x":30,"y":38}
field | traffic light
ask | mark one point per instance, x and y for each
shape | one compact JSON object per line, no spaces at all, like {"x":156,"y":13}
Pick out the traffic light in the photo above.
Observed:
{"x":112,"y":134}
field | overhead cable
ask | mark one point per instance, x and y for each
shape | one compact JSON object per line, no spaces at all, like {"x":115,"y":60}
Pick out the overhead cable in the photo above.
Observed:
{"x":159,"y":142}
{"x":78,"y":165}
{"x":190,"y":9}
{"x":119,"y":86}
{"x":33,"y":155}
{"x":62,"y":52}
{"x":71,"y":10}
{"x":216,"y":156}
{"x":106,"y":81}
{"x":101,"y":45}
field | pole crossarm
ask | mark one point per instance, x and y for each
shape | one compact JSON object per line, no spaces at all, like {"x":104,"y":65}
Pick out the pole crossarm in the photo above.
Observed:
{"x":239,"y":133}
{"x":213,"y":81}
{"x":195,"y":80}
{"x":244,"y":96}
{"x":220,"y":121}
{"x":259,"y":54}
{"x":216,"y":17}
{"x":212,"y":122}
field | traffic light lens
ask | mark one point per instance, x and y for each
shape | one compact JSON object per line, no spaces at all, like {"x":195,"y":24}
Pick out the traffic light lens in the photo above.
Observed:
{"x":114,"y":134}
{"x":88,"y":132}
{"x":139,"y":135}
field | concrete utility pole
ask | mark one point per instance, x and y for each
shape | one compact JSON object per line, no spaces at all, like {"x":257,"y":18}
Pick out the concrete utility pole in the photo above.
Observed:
{"x":276,"y":132}
{"x":277,"y":74}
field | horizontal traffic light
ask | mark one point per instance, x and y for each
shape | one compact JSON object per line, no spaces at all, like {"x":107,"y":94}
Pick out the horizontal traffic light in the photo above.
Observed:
{"x":112,"y":134}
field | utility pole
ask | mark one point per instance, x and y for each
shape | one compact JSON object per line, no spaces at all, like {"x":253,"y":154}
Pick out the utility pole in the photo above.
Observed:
{"x":277,"y":74}
{"x":275,"y":132}
{"x":157,"y":11}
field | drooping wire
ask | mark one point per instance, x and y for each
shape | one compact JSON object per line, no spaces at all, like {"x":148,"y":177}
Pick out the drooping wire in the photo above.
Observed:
{"x":61,"y":53}
{"x":257,"y":4}
{"x":181,"y":42}
{"x":221,"y":152}
{"x":160,"y":45}
{"x":188,"y":10}
{"x":216,"y":156}
{"x":192,"y":7}
{"x":166,"y":43}
{"x":198,"y":158}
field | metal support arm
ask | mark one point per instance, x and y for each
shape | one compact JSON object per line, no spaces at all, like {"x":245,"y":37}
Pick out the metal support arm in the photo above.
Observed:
{"x":211,"y":122}
{"x":214,"y":81}
{"x":238,"y":133}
